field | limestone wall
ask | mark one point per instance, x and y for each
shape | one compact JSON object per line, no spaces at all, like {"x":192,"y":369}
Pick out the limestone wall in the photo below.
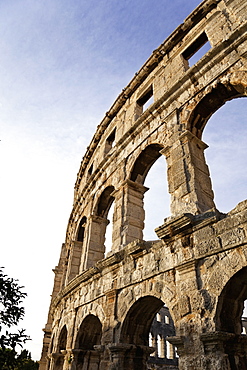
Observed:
{"x":200,"y":254}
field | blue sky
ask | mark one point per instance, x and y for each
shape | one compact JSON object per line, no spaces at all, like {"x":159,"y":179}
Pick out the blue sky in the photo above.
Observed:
{"x":62,"y":65}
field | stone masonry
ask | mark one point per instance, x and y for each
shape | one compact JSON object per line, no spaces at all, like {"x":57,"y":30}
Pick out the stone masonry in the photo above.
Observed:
{"x":103,"y":306}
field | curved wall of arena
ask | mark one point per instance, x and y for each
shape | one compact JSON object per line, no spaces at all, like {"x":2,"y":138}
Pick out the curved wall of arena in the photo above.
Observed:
{"x":161,"y":112}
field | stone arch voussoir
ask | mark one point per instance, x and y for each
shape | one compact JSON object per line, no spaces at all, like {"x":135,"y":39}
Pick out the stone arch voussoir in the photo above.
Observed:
{"x":223,"y":270}
{"x":153,"y":288}
{"x":197,"y":112}
{"x":104,"y":201}
{"x":94,"y":309}
{"x":143,"y":159}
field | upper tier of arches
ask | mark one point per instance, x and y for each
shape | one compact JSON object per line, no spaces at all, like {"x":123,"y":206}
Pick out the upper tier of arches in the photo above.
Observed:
{"x":133,"y":135}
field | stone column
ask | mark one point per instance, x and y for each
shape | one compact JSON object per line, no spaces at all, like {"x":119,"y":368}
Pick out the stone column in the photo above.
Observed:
{"x":188,"y":341}
{"x":188,"y":176}
{"x":129,"y":215}
{"x":225,"y":350}
{"x":95,"y":248}
{"x":129,"y":356}
{"x":57,"y":360}
{"x":85,"y":360}
{"x":94,"y":360}
{"x":74,"y":260}
{"x":117,"y":352}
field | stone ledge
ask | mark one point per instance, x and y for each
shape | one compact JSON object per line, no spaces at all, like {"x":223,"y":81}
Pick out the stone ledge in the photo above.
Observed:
{"x":186,"y":223}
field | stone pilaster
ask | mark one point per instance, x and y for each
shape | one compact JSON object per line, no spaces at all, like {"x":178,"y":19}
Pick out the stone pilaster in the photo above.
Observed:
{"x":225,"y":350}
{"x":129,"y":356}
{"x":129,"y":214}
{"x":188,"y":176}
{"x":74,"y":260}
{"x":95,"y":248}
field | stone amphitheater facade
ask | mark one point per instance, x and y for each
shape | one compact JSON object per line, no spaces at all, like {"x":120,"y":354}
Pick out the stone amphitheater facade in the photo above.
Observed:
{"x":102,"y":307}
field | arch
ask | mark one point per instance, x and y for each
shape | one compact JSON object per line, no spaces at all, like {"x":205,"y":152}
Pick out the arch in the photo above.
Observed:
{"x":89,"y":333}
{"x":157,"y":199}
{"x":77,"y":250}
{"x":213,"y":100}
{"x":231,"y":303}
{"x":137,"y":323}
{"x":161,"y":329}
{"x":95,"y":309}
{"x":105,"y":201}
{"x":61,"y":349}
{"x":96,"y":229}
{"x":141,"y":329}
{"x":226,"y":133}
{"x":144,"y":162}
{"x":109,"y":230}
{"x":140,"y":169}
{"x":81,"y":229}
{"x":62,"y":339}
{"x":104,"y":205}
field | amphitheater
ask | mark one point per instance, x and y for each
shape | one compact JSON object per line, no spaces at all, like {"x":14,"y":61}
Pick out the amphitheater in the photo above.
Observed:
{"x":175,"y":302}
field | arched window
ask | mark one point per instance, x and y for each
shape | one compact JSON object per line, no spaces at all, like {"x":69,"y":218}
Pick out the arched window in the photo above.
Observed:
{"x":231,"y":303}
{"x":89,"y":333}
{"x":81,"y":229}
{"x":169,"y":350}
{"x":229,"y":318}
{"x":150,"y":170}
{"x":105,"y":201}
{"x":163,"y":327}
{"x":62,"y":340}
{"x":226,"y":134}
{"x":88,"y":336}
{"x":75,"y":264}
{"x":105,"y":210}
{"x":156,"y":199}
{"x":61,"y":346}
{"x":109,"y":230}
{"x":139,"y":323}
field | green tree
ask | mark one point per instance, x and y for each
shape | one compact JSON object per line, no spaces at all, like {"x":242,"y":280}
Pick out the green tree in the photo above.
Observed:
{"x":11,"y":312}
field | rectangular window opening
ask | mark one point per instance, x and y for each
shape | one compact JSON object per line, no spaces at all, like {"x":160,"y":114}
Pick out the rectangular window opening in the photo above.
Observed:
{"x":167,"y":320}
{"x":197,"y":49}
{"x":110,"y":141}
{"x":144,"y":102}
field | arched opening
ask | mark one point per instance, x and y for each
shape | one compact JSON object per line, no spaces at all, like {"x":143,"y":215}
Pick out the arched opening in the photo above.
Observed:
{"x":76,"y":261}
{"x":105,"y":202}
{"x":61,"y":347}
{"x":144,"y":162}
{"x":231,"y":303}
{"x":156,"y":199}
{"x":109,"y":230}
{"x":226,"y":133}
{"x":161,"y":329}
{"x":150,"y":170}
{"x":62,"y":340}
{"x":89,"y":335}
{"x":95,"y":246}
{"x":210,"y":104}
{"x":105,"y":210}
{"x":229,"y":319}
{"x":81,"y":229}
{"x":142,"y":330}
